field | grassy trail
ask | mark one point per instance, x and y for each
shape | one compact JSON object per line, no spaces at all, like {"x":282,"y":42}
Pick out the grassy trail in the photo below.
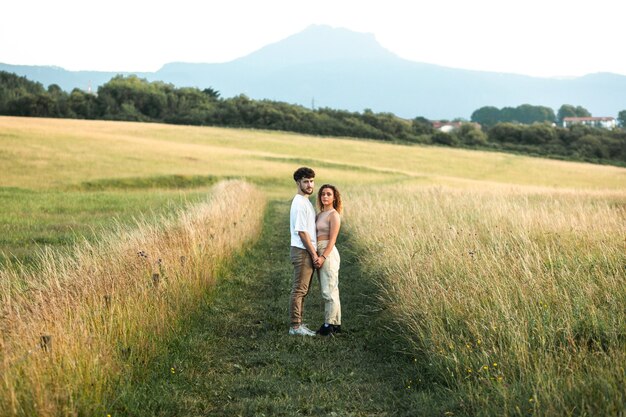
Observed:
{"x":235,"y":357}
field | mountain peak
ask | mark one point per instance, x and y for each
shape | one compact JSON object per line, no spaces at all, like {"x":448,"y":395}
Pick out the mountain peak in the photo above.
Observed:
{"x":319,"y":43}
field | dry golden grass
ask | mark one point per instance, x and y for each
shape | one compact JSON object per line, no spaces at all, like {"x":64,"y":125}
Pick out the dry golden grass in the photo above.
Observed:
{"x":42,"y":153}
{"x":106,"y":310}
{"x":512,"y":297}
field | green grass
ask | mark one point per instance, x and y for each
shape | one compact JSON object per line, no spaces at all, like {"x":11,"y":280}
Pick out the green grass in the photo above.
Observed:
{"x":33,"y":219}
{"x":234,"y":356}
{"x":139,"y":183}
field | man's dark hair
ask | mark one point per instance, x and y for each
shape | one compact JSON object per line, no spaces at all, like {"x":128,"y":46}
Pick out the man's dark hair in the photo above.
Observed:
{"x":303,"y":172}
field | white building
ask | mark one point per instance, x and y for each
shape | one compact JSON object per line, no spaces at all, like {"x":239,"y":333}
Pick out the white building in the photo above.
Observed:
{"x":603,"y":122}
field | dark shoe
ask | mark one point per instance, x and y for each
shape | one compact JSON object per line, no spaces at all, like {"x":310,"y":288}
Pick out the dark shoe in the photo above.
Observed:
{"x":336,"y":328}
{"x":325,"y":330}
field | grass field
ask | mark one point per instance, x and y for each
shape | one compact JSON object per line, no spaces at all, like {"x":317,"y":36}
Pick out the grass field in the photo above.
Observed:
{"x":109,"y":307}
{"x":62,"y":178}
{"x":45,"y":153}
{"x":511,"y":298}
{"x":521,"y":259}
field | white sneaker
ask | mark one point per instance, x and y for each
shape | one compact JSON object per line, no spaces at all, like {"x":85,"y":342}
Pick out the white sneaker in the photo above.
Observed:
{"x":302,"y":330}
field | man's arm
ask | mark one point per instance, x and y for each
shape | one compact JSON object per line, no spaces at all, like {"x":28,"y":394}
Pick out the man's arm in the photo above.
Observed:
{"x":306,"y":240}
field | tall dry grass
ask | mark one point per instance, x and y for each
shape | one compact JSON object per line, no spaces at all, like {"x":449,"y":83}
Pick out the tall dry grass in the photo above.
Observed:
{"x":106,"y":309}
{"x":511,"y":298}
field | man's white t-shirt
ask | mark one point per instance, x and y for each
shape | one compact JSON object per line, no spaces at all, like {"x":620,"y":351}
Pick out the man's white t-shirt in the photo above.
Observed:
{"x":302,"y":219}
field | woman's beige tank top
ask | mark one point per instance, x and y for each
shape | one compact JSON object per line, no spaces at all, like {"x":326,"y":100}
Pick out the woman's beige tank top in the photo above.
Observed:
{"x":323,"y":223}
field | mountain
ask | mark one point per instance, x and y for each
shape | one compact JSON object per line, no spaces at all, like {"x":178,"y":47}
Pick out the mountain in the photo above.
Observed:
{"x":342,"y":69}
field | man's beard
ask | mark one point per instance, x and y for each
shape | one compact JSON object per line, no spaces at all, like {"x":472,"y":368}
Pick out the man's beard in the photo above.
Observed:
{"x":305,"y":191}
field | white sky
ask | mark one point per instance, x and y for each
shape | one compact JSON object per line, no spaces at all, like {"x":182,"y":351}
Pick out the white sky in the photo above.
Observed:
{"x":533,"y":37}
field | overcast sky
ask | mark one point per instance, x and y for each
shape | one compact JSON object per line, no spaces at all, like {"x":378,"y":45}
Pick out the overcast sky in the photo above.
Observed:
{"x":533,"y":37}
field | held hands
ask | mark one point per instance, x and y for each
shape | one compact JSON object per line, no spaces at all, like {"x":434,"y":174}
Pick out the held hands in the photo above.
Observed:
{"x":317,"y":263}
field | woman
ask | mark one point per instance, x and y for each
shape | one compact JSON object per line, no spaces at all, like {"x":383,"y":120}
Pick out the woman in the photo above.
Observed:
{"x":328,"y":223}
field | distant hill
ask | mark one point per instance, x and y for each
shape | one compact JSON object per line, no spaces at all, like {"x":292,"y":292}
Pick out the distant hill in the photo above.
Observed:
{"x":338,"y":68}
{"x":67,"y":80}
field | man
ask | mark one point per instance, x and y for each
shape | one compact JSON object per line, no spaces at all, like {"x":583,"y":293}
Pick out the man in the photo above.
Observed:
{"x":303,"y":248}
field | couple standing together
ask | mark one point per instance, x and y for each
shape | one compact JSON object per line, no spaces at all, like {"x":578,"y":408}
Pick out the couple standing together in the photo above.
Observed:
{"x":313,"y":248}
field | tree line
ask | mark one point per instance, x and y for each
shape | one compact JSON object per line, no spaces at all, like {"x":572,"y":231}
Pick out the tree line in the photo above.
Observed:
{"x":526,"y":129}
{"x":489,"y":116}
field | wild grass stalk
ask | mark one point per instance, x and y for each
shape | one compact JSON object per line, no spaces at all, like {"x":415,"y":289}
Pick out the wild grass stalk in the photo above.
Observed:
{"x":109,"y":307}
{"x":513,"y":298}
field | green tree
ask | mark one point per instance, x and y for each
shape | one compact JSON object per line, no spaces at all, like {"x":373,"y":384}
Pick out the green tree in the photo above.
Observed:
{"x":582,"y":112}
{"x":14,"y":88}
{"x":568,"y":110}
{"x":421,"y":126}
{"x":212,"y":93}
{"x":190,"y":106}
{"x":616,"y":144}
{"x":592,"y":146}
{"x":528,"y":114}
{"x":538,"y":134}
{"x":443,"y":138}
{"x":486,"y":116}
{"x":60,"y":108}
{"x":621,"y":118}
{"x":508,"y":114}
{"x":83,"y":105}
{"x":34,"y":105}
{"x":471,"y":135}
{"x":133,"y":98}
{"x":506,"y":133}
{"x":390,"y":126}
